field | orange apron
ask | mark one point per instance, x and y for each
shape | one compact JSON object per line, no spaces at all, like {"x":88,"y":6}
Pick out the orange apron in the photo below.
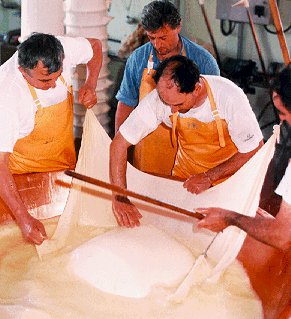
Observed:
{"x":50,"y":146}
{"x":201,"y":146}
{"x":155,"y":153}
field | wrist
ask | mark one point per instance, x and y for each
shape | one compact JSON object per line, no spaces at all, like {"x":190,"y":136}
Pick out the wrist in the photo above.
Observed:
{"x":208,"y":177}
{"x":232,"y":218}
{"x":122,"y":199}
{"x":23,"y":218}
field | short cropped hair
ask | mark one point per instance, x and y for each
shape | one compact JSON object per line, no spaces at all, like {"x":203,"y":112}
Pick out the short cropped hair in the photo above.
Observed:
{"x":157,"y":14}
{"x":183,"y":71}
{"x":41,"y":47}
{"x":282,"y":86}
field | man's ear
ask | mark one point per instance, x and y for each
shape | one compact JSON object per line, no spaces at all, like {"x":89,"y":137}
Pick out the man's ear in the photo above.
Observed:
{"x":22,"y":71}
{"x":198,"y":87}
{"x":179,"y":27}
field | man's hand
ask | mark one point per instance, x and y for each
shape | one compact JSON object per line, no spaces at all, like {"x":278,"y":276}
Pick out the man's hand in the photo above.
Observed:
{"x":197,"y":183}
{"x":216,"y":219}
{"x":125,"y":212}
{"x":87,"y":96}
{"x":32,"y":230}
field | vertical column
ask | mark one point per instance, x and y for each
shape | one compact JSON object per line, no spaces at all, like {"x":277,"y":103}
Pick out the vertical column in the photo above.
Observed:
{"x":45,"y":16}
{"x":89,"y":18}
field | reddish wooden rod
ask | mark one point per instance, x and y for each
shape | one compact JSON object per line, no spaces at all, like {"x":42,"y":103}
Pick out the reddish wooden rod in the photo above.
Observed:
{"x":127,"y":192}
{"x":279,"y":29}
{"x":210,"y":32}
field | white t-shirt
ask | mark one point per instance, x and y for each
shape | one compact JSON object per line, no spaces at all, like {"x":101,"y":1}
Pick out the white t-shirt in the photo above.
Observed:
{"x":17,"y":109}
{"x":284,"y":188}
{"x":232,"y":104}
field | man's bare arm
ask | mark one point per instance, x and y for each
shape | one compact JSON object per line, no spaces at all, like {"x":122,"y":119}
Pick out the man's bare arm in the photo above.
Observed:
{"x":126,"y":213}
{"x":122,"y":113}
{"x":87,"y":94}
{"x":32,"y":229}
{"x":275,"y":232}
{"x":198,"y":183}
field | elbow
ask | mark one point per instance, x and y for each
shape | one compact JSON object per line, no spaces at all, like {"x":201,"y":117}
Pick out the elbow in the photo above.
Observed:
{"x":118,"y":149}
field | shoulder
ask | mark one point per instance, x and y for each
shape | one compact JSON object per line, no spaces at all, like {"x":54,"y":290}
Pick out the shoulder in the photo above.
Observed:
{"x":220,"y":83}
{"x":11,"y":80}
{"x":74,"y":43}
{"x":204,"y":59}
{"x":141,"y":53}
{"x":151,"y":99}
{"x":195,"y":48}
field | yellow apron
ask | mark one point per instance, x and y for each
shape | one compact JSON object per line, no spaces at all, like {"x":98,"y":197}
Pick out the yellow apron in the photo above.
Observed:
{"x":50,"y":146}
{"x":202,"y":146}
{"x":155,"y":153}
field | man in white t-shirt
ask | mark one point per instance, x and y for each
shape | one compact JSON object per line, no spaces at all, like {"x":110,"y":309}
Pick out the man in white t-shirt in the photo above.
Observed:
{"x":275,"y":232}
{"x":36,"y":113}
{"x":212,"y":122}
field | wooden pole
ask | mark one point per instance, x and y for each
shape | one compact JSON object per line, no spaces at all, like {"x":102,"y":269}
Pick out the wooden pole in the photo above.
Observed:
{"x":279,"y":29}
{"x":127,"y":192}
{"x":257,"y":44}
{"x":210,"y":32}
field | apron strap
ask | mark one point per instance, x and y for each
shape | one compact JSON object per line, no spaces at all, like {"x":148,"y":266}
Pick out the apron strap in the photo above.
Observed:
{"x":174,"y":126}
{"x":150,"y":64}
{"x":69,"y":87}
{"x":34,"y":96}
{"x":215,"y":114}
{"x":183,"y":51}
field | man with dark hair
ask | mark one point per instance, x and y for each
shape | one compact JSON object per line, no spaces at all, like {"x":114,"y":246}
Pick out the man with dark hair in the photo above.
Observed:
{"x":36,"y":114}
{"x":212,"y":123}
{"x":275,"y":232}
{"x":162,"y":23}
{"x":270,"y":201}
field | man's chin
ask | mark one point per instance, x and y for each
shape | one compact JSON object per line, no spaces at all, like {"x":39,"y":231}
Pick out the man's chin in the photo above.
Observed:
{"x":41,"y":88}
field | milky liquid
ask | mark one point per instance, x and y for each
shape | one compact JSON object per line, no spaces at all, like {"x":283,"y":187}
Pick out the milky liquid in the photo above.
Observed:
{"x":35,"y":289}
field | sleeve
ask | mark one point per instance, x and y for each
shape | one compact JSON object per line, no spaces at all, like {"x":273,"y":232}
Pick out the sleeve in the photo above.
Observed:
{"x":243,"y":126}
{"x":77,"y":50}
{"x":129,"y":89}
{"x":9,"y":130}
{"x":143,"y":120}
{"x":211,"y":67}
{"x":284,"y":188}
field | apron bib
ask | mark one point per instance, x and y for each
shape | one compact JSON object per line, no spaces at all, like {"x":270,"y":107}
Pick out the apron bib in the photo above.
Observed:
{"x":50,"y":146}
{"x":201,"y":146}
{"x":155,"y":153}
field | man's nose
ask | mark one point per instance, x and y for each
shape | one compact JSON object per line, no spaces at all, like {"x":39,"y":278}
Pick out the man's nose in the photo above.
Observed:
{"x":157,"y":44}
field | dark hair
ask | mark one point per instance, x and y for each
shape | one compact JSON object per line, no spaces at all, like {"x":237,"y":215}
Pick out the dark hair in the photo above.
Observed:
{"x":183,"y":71}
{"x":41,"y":47}
{"x":159,"y":13}
{"x":282,"y":85}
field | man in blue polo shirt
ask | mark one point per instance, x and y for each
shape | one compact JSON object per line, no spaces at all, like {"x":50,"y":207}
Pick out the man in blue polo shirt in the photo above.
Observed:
{"x":162,"y":23}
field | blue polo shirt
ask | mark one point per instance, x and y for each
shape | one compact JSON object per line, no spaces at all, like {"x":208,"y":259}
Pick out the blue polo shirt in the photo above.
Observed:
{"x":129,"y":89}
